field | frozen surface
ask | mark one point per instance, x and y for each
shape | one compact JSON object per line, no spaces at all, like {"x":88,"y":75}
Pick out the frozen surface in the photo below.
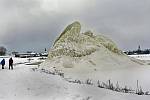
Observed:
{"x":22,"y":83}
{"x":141,"y":56}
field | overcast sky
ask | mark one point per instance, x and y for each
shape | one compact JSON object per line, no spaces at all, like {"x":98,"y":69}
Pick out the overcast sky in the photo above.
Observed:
{"x":35,"y":24}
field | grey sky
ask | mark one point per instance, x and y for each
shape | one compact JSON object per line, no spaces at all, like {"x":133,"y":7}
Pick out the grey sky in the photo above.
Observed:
{"x":34,"y":24}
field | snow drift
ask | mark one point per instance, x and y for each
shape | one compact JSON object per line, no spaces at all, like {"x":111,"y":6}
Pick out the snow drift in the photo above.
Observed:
{"x":79,"y":52}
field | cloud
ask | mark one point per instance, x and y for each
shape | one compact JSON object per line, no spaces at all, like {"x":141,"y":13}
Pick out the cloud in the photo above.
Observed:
{"x":34,"y":24}
{"x":124,"y":21}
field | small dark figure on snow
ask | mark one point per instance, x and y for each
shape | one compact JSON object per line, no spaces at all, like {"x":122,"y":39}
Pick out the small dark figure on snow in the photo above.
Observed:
{"x":3,"y":63}
{"x":11,"y":63}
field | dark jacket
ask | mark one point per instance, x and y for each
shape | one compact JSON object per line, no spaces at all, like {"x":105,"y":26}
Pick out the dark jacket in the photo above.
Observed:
{"x":10,"y":61}
{"x":3,"y":62}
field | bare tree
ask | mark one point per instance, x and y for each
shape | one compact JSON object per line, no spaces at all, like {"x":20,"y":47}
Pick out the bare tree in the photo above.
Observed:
{"x":2,"y":51}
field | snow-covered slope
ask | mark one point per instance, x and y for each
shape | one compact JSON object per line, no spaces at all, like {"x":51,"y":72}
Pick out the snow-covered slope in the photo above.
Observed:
{"x":23,"y":83}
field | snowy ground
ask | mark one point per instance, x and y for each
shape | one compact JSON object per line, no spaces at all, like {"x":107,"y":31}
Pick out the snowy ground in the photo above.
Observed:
{"x":143,"y":57}
{"x":23,"y":83}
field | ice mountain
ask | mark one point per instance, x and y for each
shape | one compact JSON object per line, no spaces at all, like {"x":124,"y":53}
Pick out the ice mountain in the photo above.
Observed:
{"x":77,"y":51}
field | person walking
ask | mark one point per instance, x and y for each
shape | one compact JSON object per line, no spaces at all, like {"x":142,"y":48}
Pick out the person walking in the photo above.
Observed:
{"x":3,"y":63}
{"x":11,"y":63}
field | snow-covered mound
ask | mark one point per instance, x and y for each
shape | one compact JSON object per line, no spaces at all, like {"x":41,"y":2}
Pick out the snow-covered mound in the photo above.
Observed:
{"x":85,"y":52}
{"x":74,"y":44}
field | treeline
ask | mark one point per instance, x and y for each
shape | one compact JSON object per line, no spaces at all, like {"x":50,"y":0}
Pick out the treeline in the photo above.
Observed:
{"x":2,"y":51}
{"x":134,"y":52}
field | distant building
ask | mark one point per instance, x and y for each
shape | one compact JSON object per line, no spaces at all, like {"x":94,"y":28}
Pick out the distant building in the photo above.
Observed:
{"x":138,"y":51}
{"x":27,"y":55}
{"x":45,"y":54}
{"x":14,"y":52}
{"x":139,"y":48}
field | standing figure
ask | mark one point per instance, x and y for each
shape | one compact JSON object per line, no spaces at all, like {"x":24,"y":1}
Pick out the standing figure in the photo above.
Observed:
{"x":11,"y":63}
{"x":3,"y":63}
